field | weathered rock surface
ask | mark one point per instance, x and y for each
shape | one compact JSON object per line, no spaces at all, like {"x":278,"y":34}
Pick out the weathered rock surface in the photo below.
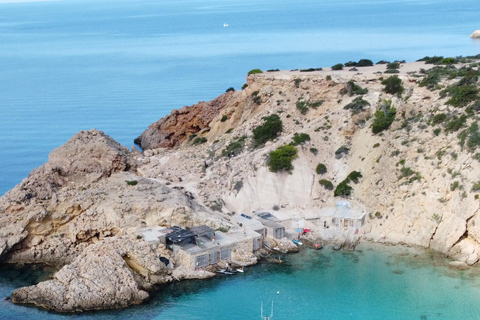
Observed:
{"x":77,"y":205}
{"x":101,"y":277}
{"x":475,"y":34}
{"x":180,"y":124}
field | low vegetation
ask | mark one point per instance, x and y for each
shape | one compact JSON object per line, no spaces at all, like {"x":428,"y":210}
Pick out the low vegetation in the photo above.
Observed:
{"x":321,"y":168}
{"x":281,"y":159}
{"x":199,"y":140}
{"x":393,"y":85}
{"x":344,"y":189}
{"x":338,"y":66}
{"x":255,"y":71}
{"x":235,"y":147}
{"x":300,"y":138}
{"x":326,"y":184}
{"x":268,"y":131}
{"x":357,"y":105}
{"x":384,"y":117}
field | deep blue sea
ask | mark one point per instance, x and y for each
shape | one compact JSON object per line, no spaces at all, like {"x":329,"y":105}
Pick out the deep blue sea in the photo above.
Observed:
{"x":119,"y":65}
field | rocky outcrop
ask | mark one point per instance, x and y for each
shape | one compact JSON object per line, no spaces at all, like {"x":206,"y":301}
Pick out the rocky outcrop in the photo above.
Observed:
{"x":475,"y":34}
{"x":173,"y":129}
{"x":80,"y":212}
{"x":101,"y":277}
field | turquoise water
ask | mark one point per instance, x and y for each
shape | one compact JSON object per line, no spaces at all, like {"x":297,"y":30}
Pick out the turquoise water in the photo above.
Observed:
{"x":119,"y":65}
{"x":374,"y":282}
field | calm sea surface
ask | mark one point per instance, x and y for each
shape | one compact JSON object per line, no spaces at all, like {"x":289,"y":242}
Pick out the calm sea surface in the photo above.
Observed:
{"x":119,"y":65}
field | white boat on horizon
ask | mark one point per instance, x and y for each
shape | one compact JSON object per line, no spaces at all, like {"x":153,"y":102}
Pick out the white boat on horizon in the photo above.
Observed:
{"x":225,"y":25}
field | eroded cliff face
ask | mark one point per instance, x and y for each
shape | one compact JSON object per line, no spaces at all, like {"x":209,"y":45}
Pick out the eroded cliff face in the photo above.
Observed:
{"x":418,"y":183}
{"x":180,"y":124}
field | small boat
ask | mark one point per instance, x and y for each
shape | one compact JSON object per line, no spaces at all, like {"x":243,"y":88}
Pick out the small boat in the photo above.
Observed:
{"x":240,"y":269}
{"x":225,"y":25}
{"x":297,"y":242}
{"x":224,"y":271}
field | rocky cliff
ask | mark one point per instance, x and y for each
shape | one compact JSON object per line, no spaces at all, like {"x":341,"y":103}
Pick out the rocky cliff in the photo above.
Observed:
{"x":81,"y":212}
{"x":420,"y":176}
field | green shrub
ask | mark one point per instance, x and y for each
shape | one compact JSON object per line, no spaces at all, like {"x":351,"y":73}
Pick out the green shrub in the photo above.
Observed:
{"x":350,"y":64}
{"x":244,"y":86}
{"x":281,"y":159}
{"x":311,"y":69}
{"x":391,"y":71}
{"x":352,"y":89}
{"x":326,"y":184}
{"x":256,"y":98}
{"x":199,"y":140}
{"x":314,"y":151}
{"x":384,"y":118}
{"x":461,"y":95}
{"x":454,"y":185}
{"x":364,"y":63}
{"x":343,"y":189}
{"x":340,"y":151}
{"x":315,"y":104}
{"x":448,"y":61}
{"x":357,"y":105}
{"x":224,"y":118}
{"x":376,"y":145}
{"x":470,"y":137}
{"x":297,"y":82}
{"x":432,"y":60}
{"x":437,"y":131}
{"x":476,"y":187}
{"x":255,"y":71}
{"x":321,"y":168}
{"x":190,"y":137}
{"x":354,"y":176}
{"x":231,"y":89}
{"x":131,"y":182}
{"x":439,"y":118}
{"x":337,"y":66}
{"x":300,"y":138}
{"x":235,"y":147}
{"x":302,"y":107}
{"x":393,"y":65}
{"x":268,"y":131}
{"x":393,"y":85}
{"x":455,"y":123}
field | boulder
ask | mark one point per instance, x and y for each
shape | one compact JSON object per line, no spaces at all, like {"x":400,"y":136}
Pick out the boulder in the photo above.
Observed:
{"x":102,"y":277}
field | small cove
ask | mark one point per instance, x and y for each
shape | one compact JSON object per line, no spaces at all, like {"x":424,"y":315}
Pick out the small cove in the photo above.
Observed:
{"x":373,"y":282}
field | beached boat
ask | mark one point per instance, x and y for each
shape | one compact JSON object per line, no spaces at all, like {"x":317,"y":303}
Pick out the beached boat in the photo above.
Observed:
{"x":297,"y":242}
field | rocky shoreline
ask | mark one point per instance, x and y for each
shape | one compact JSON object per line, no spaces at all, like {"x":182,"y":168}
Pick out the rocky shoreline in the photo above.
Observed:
{"x":84,"y":210}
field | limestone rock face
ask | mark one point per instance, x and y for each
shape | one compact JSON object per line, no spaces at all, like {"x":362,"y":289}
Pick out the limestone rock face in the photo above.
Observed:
{"x":85,"y":158}
{"x":180,"y":124}
{"x":475,"y":34}
{"x":99,"y":278}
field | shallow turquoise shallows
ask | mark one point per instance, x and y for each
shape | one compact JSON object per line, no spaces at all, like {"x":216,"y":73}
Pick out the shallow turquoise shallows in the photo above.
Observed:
{"x":375,"y":282}
{"x":119,"y":65}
